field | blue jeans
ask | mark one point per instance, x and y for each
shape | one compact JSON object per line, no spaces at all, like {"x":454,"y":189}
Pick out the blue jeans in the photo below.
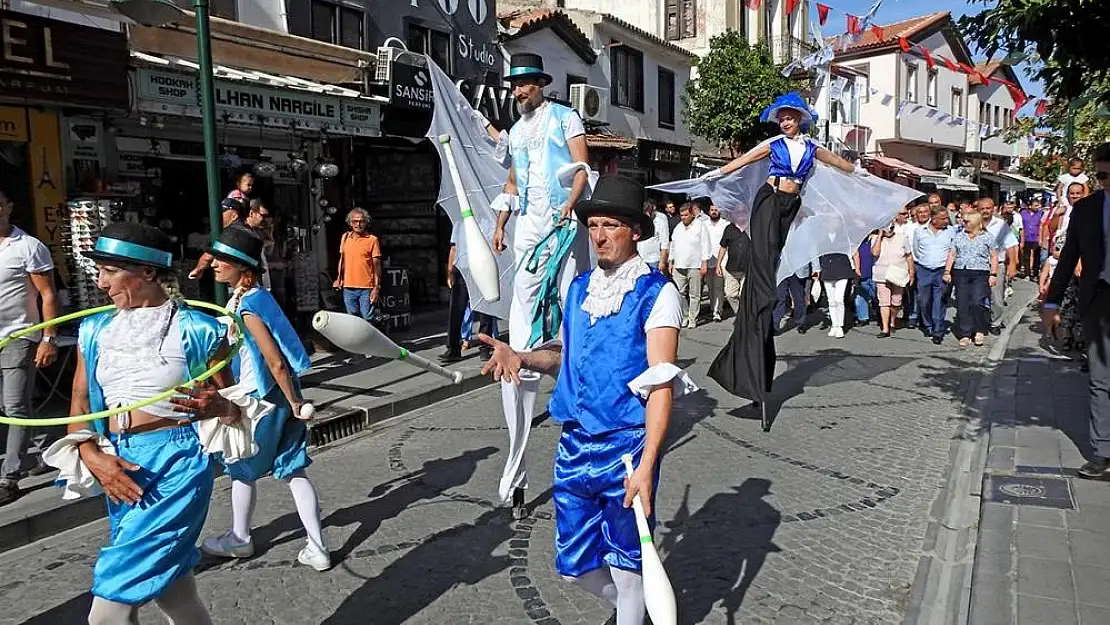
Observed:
{"x":864,"y":296}
{"x":930,"y":299}
{"x":358,"y":302}
{"x":794,"y":289}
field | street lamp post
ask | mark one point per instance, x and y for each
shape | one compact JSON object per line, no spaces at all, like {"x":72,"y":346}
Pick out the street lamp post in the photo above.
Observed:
{"x":163,"y":12}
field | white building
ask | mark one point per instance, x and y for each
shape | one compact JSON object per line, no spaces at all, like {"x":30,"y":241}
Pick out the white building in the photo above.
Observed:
{"x":625,"y":82}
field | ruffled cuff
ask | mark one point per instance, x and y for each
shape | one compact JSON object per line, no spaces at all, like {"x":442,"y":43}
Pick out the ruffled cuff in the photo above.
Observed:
{"x":566,"y":174}
{"x":234,"y":441}
{"x":660,"y":374}
{"x":73,"y":475}
{"x":503,"y":203}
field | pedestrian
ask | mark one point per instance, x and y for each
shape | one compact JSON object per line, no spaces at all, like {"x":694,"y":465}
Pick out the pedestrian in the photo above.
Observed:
{"x":547,"y":145}
{"x":238,"y":212}
{"x":1030,"y":262}
{"x":973,"y":264}
{"x":460,"y":327}
{"x":26,"y":274}
{"x":1007,"y":245}
{"x":1071,"y":326}
{"x":835,"y":272}
{"x":271,"y":358}
{"x":671,"y":211}
{"x":715,"y":277}
{"x":931,"y":245}
{"x":690,"y":253}
{"x":922,"y":216}
{"x":655,"y":250}
{"x":792,"y":292}
{"x":1073,"y":174}
{"x":360,"y":266}
{"x":893,"y":273}
{"x":616,"y":381}
{"x":157,"y":477}
{"x":864,"y":262}
{"x":733,"y":257}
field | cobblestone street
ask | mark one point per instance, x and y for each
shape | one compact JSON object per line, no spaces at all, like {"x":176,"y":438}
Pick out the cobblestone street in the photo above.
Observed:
{"x":819,"y":521}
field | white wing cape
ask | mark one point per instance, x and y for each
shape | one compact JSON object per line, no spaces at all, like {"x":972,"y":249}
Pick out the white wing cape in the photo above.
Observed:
{"x":483,"y":166}
{"x":838,"y":210}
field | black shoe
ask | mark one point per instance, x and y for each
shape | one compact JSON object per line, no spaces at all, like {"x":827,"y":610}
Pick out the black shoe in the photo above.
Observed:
{"x":937,"y":340}
{"x":9,"y":492}
{"x":485,"y":353}
{"x":450,"y":357}
{"x":884,"y":335}
{"x":40,"y":469}
{"x":802,"y":329}
{"x":863,"y":324}
{"x":996,"y":330}
{"x":1095,"y":469}
{"x":520,"y":510}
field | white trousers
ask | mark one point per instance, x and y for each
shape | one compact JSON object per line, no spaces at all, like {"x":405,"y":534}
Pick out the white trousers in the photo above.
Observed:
{"x":835,"y":290}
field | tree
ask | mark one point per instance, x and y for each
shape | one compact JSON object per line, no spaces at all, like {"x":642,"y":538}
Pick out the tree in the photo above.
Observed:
{"x":1042,"y":166}
{"x":1064,"y":34}
{"x":735,"y":83}
{"x":1090,"y":122}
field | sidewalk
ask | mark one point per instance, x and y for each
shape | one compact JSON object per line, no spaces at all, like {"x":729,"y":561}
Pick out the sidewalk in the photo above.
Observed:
{"x":1043,"y":549}
{"x":353,"y":394}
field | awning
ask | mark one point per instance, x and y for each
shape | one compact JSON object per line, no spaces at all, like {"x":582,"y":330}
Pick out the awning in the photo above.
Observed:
{"x":953,"y":183}
{"x":610,"y":142}
{"x":1030,"y":184}
{"x":927,"y":176}
{"x":1005,"y":183}
{"x":166,"y":84}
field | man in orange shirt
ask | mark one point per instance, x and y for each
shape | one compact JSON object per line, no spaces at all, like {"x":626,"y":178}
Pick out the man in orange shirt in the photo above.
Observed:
{"x":360,"y":266}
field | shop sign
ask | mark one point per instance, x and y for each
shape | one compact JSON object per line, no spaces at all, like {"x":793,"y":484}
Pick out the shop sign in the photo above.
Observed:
{"x":655,"y":154}
{"x":44,"y":59}
{"x":410,"y":87}
{"x":258,"y":104}
{"x":13,"y":124}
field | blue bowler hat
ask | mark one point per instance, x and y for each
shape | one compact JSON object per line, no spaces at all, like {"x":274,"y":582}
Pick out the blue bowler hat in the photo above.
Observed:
{"x":524,"y":65}
{"x":133,"y":244}
{"x":793,"y":101}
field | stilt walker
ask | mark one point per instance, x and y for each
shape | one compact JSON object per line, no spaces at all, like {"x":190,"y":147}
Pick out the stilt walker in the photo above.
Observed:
{"x":549,"y":175}
{"x":616,"y":379}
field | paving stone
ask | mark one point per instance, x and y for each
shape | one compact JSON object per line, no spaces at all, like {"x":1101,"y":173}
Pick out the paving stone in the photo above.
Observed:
{"x":1093,"y":615}
{"x":1044,"y":517}
{"x":1042,"y":542}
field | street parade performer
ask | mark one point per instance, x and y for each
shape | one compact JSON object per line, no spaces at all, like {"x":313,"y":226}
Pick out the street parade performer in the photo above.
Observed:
{"x":616,"y":380}
{"x":549,"y":175}
{"x":796,"y":206}
{"x":150,"y":462}
{"x":270,"y":359}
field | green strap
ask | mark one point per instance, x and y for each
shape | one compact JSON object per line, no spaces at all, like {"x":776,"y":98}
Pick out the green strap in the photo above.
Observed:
{"x":404,"y":353}
{"x":547,"y":312}
{"x":645,"y":540}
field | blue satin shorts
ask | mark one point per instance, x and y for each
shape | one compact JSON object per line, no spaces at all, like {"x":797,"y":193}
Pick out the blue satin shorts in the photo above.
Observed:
{"x":154,"y":542}
{"x":592,"y":527}
{"x":282,"y":444}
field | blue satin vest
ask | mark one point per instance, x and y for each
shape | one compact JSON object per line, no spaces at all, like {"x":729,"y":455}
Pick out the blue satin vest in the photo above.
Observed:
{"x":600,"y":360}
{"x":261,"y":303}
{"x":201,"y":335}
{"x":555,"y":155}
{"x":781,"y":164}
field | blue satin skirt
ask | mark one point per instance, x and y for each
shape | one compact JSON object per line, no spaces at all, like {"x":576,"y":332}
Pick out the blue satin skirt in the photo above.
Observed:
{"x":592,"y":526}
{"x":282,"y":444}
{"x":154,"y":542}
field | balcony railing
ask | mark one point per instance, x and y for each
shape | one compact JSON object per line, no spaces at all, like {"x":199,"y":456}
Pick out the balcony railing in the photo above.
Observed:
{"x":787,"y":49}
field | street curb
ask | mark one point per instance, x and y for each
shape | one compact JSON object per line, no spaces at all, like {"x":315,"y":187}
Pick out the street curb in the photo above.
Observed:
{"x":941,"y":591}
{"x":50,"y":517}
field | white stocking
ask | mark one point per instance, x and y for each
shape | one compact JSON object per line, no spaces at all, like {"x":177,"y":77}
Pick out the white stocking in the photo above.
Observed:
{"x":597,"y":582}
{"x":243,"y":498}
{"x":106,"y":612}
{"x":519,"y":403}
{"x":182,"y":604}
{"x":630,"y":596}
{"x":308,"y":507}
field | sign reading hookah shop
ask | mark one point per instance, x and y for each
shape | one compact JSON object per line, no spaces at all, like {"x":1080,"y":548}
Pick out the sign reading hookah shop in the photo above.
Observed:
{"x":248,"y":103}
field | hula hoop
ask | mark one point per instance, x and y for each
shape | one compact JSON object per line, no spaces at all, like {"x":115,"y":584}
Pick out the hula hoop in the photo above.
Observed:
{"x":103,"y":414}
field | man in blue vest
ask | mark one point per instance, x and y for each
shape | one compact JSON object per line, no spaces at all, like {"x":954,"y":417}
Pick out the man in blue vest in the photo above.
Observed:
{"x":616,"y":378}
{"x":549,"y":175}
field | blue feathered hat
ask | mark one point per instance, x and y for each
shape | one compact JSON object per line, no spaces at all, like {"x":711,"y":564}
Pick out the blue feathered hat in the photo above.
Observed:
{"x":792,"y":100}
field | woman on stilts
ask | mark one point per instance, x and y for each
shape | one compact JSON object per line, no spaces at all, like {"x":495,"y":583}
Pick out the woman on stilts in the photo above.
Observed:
{"x":746,"y":366}
{"x":271,"y":358}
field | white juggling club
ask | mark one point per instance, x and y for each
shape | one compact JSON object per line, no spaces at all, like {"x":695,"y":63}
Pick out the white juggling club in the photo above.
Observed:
{"x":483,"y":266}
{"x":356,"y":335}
{"x":658,"y":594}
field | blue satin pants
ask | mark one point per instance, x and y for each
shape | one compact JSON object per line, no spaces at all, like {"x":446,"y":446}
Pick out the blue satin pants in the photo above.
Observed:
{"x":282,"y":444}
{"x":154,"y":542}
{"x":592,"y":527}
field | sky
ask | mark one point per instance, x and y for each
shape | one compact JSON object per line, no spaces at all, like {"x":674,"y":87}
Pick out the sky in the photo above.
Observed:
{"x":897,"y":10}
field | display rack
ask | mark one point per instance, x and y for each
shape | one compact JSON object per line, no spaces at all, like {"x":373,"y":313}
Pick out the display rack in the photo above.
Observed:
{"x":84,"y":219}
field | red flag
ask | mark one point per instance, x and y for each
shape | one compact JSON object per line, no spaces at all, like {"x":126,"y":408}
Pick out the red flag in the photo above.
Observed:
{"x":904,"y":43}
{"x":1042,"y":108}
{"x":1019,"y":98}
{"x":822,"y":13}
{"x":949,"y":63}
{"x":853,"y":25}
{"x":791,"y":5}
{"x":878,"y":32}
{"x":929,"y":58}
{"x":752,"y":4}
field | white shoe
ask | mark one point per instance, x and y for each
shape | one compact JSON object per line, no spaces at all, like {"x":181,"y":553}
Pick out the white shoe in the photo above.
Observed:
{"x":315,"y":557}
{"x":838,"y":333}
{"x":832,"y":331}
{"x":227,"y":546}
{"x":716,"y":316}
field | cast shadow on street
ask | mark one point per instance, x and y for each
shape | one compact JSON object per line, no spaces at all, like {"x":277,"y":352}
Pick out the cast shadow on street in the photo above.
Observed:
{"x":715,"y":554}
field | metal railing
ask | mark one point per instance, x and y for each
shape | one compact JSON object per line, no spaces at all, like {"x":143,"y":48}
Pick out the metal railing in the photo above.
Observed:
{"x":787,"y":49}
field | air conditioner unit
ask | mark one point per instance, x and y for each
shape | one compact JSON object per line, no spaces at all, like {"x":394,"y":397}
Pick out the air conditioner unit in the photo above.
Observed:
{"x":383,"y":70}
{"x":592,"y":103}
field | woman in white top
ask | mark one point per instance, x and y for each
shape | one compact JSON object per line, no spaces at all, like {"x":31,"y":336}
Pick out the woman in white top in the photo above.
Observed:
{"x":893,"y":270}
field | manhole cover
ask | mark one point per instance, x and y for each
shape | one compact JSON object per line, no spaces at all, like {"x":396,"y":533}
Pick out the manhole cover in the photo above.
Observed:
{"x":1030,"y":490}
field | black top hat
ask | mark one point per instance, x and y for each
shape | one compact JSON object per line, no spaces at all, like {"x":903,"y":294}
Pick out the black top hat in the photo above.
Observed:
{"x":239,"y":245}
{"x":133,"y":244}
{"x":619,"y":197}
{"x":521,"y":65}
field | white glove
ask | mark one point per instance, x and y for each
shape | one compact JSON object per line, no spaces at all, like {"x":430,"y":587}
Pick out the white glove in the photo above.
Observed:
{"x":713,"y":174}
{"x":861,"y":172}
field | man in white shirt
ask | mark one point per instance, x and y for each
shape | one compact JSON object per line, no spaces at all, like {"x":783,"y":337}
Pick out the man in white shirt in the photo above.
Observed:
{"x":655,"y":249}
{"x":690,"y":254}
{"x":1005,"y":240}
{"x":716,"y":279}
{"x":26,"y":270}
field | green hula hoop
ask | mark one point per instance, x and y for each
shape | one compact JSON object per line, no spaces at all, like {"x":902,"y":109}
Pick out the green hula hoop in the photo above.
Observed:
{"x":104,"y":414}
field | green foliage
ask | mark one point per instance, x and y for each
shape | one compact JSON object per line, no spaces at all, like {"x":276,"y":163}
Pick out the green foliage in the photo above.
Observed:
{"x":1068,"y":36}
{"x":735,"y":83}
{"x":1042,"y":166}
{"x":1091,"y":124}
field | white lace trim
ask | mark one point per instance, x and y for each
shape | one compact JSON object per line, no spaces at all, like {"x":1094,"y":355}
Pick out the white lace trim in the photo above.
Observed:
{"x":606,"y":290}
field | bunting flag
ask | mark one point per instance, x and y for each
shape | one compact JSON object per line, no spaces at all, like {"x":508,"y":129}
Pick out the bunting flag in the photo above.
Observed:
{"x":1042,"y":108}
{"x":878,"y":32}
{"x":904,"y":44}
{"x":822,"y":13}
{"x":752,"y":4}
{"x":853,"y":25}
{"x":950,"y":64}
{"x":929,"y":59}
{"x":791,"y":5}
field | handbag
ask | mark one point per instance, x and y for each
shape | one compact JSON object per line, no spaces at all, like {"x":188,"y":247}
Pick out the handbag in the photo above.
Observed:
{"x":898,"y":275}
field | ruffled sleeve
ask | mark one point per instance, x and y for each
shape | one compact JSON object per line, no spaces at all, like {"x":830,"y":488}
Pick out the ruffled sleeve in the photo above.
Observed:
{"x":234,"y":441}
{"x":567,"y":172}
{"x":73,"y":475}
{"x":660,"y":374}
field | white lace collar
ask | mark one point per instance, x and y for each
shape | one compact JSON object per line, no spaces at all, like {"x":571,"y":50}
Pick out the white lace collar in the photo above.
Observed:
{"x":606,"y":290}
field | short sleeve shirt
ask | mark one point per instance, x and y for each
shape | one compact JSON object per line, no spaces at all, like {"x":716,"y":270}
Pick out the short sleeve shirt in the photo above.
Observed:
{"x":20,"y":256}
{"x":739,"y":246}
{"x":974,"y":254}
{"x":358,"y":254}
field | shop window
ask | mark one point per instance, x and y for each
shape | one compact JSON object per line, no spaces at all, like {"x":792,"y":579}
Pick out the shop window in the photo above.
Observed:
{"x":626,"y":67}
{"x":325,"y":21}
{"x":434,"y":43}
{"x":666,"y":98}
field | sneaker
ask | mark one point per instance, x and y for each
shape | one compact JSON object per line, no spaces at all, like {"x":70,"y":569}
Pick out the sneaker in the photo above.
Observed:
{"x":838,"y":333}
{"x":9,"y":491}
{"x":520,"y":510}
{"x":227,"y":546}
{"x":1095,"y":469}
{"x":832,"y":332}
{"x":716,"y":316}
{"x":314,"y":557}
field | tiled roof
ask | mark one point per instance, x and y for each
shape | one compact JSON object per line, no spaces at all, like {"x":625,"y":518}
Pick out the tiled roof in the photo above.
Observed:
{"x":646,"y":35}
{"x":526,"y":22}
{"x":613,"y":142}
{"x":985,"y":69}
{"x":891,"y":32}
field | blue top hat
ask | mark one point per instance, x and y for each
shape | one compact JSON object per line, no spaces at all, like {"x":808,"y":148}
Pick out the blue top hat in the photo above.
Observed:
{"x":523,"y":65}
{"x":793,"y":101}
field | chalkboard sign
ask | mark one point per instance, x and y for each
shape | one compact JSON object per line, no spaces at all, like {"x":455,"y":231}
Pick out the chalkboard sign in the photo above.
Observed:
{"x":395,"y":300}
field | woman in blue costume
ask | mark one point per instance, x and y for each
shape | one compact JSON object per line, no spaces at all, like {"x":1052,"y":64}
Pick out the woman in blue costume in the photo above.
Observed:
{"x":746,"y":366}
{"x":149,"y":462}
{"x":271,"y":358}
